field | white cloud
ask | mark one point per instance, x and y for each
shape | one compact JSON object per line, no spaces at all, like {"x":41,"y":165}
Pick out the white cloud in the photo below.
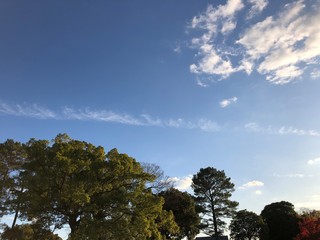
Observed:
{"x":219,"y":20}
{"x":252,"y":184}
{"x":315,"y":161}
{"x":257,"y":7}
{"x":182,"y":184}
{"x":33,"y":111}
{"x":101,"y":116}
{"x":226,"y":102}
{"x":258,"y":192}
{"x":255,"y":127}
{"x":315,"y":73}
{"x":87,"y":114}
{"x":290,"y":46}
{"x":291,"y":43}
{"x":201,"y":83}
{"x":291,"y":175}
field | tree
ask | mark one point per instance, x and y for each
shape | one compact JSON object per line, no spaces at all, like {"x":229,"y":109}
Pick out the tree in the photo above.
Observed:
{"x":213,"y":190}
{"x":309,"y":226}
{"x":28,"y":232}
{"x":100,"y":196}
{"x":183,"y":207}
{"x":281,"y":219}
{"x":12,"y":157}
{"x":246,"y":225}
{"x":161,"y":182}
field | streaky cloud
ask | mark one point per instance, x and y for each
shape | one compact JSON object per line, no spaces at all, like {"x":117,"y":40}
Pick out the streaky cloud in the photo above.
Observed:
{"x":255,"y":127}
{"x":87,"y":114}
{"x":33,"y":111}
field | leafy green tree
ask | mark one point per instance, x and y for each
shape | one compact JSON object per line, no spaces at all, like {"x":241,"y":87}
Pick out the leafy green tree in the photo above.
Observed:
{"x":12,"y":157}
{"x":100,"y":196}
{"x":27,"y":232}
{"x":183,"y":206}
{"x":246,"y":225}
{"x":282,"y":220}
{"x":213,"y":190}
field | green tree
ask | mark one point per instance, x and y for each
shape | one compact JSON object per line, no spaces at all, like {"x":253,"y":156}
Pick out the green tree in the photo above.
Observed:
{"x":213,"y":190}
{"x":27,"y":232}
{"x":183,"y":207}
{"x":246,"y":225}
{"x":100,"y":196}
{"x":282,"y":220}
{"x":12,"y":157}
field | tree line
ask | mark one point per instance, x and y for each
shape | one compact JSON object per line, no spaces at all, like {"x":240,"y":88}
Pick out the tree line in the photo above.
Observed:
{"x":47,"y":185}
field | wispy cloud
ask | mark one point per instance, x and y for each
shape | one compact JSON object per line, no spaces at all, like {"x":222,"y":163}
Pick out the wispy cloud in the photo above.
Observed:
{"x":226,"y":102}
{"x":33,"y":111}
{"x":87,"y":114}
{"x":252,"y":184}
{"x":182,"y":183}
{"x":257,"y":7}
{"x":315,"y":161}
{"x":311,"y":202}
{"x":291,"y":175}
{"x":255,"y":127}
{"x":290,"y":49}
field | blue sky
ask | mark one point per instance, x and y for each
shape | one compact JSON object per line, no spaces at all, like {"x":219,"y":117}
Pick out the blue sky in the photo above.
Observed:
{"x":183,"y":84}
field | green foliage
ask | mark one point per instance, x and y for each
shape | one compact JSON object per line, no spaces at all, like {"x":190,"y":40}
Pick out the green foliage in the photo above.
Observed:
{"x":28,"y":232}
{"x":213,"y":190}
{"x":246,"y":225}
{"x":12,"y":156}
{"x":183,"y":207}
{"x":66,"y":181}
{"x":281,"y":219}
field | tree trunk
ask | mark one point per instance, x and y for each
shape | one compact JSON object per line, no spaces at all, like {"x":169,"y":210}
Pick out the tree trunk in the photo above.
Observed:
{"x":214,"y":220}
{"x":16,"y":214}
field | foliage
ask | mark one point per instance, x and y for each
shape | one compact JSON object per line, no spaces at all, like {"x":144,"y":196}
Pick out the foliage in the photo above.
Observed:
{"x":183,"y":207}
{"x":281,"y":219}
{"x":213,"y":191}
{"x":66,"y":181}
{"x":246,"y":225}
{"x":12,"y":157}
{"x":28,"y":232}
{"x":309,"y":226}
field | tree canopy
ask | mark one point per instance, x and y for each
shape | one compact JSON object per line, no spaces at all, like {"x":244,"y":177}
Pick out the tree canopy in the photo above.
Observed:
{"x":213,"y":190}
{"x":183,"y":206}
{"x":282,"y":220}
{"x":246,"y":225}
{"x":71,"y":182}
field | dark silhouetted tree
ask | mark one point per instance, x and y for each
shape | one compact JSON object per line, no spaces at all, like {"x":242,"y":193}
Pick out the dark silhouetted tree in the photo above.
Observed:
{"x":213,"y":190}
{"x":183,"y":207}
{"x":282,"y":220}
{"x":246,"y":225}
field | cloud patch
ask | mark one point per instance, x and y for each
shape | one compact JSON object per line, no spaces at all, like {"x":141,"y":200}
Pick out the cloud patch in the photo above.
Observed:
{"x":315,"y":161}
{"x":226,"y":102}
{"x":289,"y":50}
{"x":252,"y":184}
{"x":182,"y":183}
